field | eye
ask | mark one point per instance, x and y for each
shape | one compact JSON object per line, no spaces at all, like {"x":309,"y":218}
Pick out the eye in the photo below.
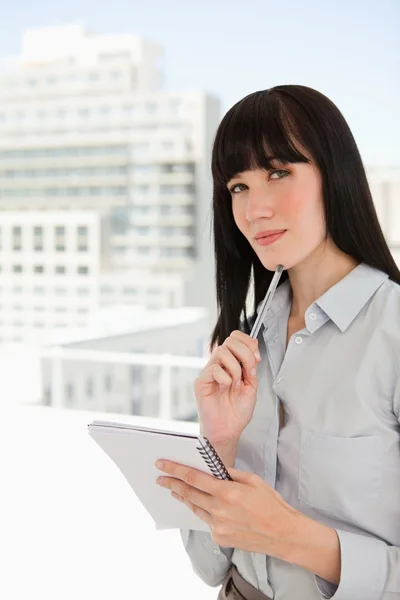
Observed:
{"x":279,"y":173}
{"x":234,"y":189}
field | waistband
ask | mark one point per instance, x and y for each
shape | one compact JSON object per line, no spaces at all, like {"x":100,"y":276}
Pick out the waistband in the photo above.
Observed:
{"x":237,"y":588}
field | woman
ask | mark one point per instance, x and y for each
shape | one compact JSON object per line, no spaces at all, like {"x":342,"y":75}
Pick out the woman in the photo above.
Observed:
{"x":308,"y":414}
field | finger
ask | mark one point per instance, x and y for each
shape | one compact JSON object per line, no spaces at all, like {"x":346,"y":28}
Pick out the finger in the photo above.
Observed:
{"x":248,"y":341}
{"x":243,"y":354}
{"x":214,"y":373}
{"x":188,"y":493}
{"x":224,"y":357}
{"x":199,"y":512}
{"x":193,"y":477}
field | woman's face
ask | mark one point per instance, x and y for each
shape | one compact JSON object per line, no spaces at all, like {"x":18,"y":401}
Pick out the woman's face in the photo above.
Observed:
{"x":286,"y":198}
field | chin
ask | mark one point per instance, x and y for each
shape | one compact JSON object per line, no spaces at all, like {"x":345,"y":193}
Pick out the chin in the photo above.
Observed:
{"x":271,"y":262}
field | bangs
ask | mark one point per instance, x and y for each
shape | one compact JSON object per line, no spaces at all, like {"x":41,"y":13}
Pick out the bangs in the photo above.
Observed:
{"x":254,"y":134}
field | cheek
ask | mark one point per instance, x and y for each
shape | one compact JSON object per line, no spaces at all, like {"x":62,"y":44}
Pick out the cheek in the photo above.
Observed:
{"x":294,"y":204}
{"x":303,"y":208}
{"x":239,"y":216}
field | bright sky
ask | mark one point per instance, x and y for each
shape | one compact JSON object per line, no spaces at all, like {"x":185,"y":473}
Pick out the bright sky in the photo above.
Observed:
{"x":347,"y":49}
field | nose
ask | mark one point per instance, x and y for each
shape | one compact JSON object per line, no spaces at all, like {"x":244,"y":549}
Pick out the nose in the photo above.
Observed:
{"x":259,"y":205}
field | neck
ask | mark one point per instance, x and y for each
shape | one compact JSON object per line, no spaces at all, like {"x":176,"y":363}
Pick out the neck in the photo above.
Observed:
{"x":314,"y":276}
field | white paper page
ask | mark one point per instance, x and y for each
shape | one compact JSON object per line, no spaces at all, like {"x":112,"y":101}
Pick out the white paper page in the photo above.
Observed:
{"x":134,"y":452}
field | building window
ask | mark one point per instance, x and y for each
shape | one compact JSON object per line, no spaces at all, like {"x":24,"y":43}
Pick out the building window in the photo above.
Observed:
{"x":106,"y":289}
{"x":170,"y":251}
{"x":83,"y":270}
{"x":47,"y":396}
{"x":59,"y":291}
{"x":17,"y":268}
{"x":108,"y":382}
{"x":142,"y":231}
{"x":38,"y":269}
{"x":142,"y":189}
{"x":169,"y":231}
{"x":82,"y":241}
{"x":174,"y":107}
{"x":82,"y":291}
{"x":129,"y":291}
{"x":17,"y":241}
{"x":128,"y":110}
{"x":59,"y":238}
{"x":38,"y":239}
{"x":69,"y":393}
{"x":60,"y":269}
{"x":89,"y":388}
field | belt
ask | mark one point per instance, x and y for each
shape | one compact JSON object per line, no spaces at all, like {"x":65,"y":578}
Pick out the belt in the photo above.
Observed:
{"x":237,"y":588}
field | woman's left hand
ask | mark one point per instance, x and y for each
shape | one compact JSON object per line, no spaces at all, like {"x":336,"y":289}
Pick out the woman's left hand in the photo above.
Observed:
{"x":245,"y":513}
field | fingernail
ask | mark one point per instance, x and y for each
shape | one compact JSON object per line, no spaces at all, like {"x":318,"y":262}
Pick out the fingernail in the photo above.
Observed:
{"x":257,"y":355}
{"x":159,"y":464}
{"x":237,"y":384}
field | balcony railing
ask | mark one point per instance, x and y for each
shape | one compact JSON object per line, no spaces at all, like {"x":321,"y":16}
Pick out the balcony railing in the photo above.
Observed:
{"x":165,"y":362}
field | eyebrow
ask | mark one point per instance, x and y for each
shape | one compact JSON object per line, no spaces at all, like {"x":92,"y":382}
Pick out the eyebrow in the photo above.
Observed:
{"x":241,"y":173}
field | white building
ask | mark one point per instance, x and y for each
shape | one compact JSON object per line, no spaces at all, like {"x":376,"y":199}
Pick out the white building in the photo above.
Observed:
{"x":50,"y":266}
{"x":129,"y":360}
{"x":85,"y":126}
{"x":385,"y":188}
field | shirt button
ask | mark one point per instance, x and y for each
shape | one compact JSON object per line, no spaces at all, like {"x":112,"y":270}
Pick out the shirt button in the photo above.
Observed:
{"x":279,"y":380}
{"x":313,"y":316}
{"x":298,"y":340}
{"x":216,"y":551}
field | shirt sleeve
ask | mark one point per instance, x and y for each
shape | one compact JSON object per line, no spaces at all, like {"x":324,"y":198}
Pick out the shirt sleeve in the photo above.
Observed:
{"x":210,"y":561}
{"x":370,"y":568}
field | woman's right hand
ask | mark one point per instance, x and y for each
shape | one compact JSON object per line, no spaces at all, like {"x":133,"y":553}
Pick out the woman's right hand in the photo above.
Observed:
{"x":226,"y":389}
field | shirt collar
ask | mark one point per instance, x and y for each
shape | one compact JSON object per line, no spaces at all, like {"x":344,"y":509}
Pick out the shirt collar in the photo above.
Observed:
{"x":342,"y":302}
{"x":345,"y":300}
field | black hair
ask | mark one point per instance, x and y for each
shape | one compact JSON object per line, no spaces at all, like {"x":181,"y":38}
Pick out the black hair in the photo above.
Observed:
{"x":290,"y":123}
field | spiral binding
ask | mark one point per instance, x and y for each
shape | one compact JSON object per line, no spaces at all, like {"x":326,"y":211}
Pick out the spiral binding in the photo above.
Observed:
{"x":212,"y":459}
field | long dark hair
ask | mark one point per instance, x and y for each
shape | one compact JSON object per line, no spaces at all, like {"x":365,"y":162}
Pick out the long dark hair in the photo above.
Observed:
{"x":276,"y":123}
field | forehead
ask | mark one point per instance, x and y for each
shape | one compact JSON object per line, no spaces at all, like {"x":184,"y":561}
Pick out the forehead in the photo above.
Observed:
{"x":249,"y":173}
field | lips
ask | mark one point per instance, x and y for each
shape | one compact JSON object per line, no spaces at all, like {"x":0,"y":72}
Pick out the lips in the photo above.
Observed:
{"x":267,"y":238}
{"x":265,"y":234}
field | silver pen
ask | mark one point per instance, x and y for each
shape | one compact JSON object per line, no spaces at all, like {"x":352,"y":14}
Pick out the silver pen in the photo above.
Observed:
{"x":266,"y":302}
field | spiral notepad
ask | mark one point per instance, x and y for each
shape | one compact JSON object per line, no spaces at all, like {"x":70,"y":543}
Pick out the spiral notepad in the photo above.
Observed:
{"x":212,"y":460}
{"x":135,"y":449}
